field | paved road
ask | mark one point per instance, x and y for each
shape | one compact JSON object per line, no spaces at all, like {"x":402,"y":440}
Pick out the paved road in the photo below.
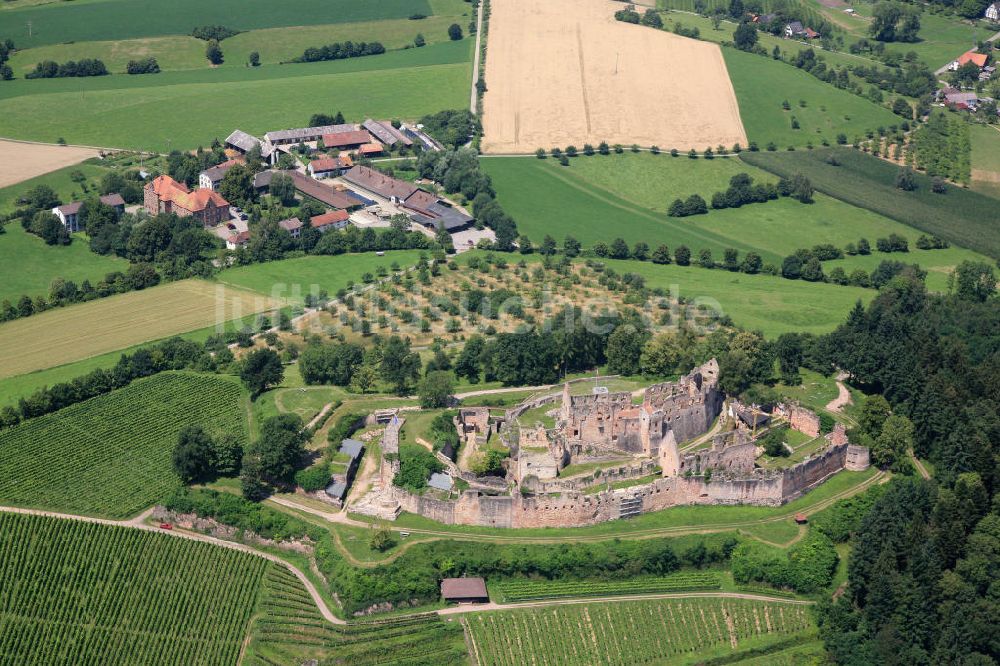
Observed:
{"x":139,"y":523}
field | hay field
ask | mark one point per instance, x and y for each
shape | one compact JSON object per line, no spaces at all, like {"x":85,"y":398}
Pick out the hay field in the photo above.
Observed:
{"x":565,"y":72}
{"x":68,"y":334}
{"x":21,"y":161}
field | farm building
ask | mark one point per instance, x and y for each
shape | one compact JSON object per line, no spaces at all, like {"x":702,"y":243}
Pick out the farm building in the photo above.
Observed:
{"x":334,"y":198}
{"x":166,"y":195}
{"x":329,"y":167}
{"x":465,"y":590}
{"x":210,"y":178}
{"x":292,"y":225}
{"x":347,"y":140}
{"x":335,"y":219}
{"x":386,"y":133}
{"x":262,"y":180}
{"x":242,"y":142}
{"x":422,"y":207}
{"x":304,"y":134}
{"x":69,"y":214}
{"x":992,"y":13}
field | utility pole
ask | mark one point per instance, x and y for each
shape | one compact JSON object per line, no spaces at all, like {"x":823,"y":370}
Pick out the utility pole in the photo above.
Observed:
{"x":617,"y":54}
{"x":29,"y":29}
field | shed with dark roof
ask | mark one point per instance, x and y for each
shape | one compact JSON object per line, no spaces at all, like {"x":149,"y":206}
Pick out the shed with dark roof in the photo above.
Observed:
{"x":465,"y":590}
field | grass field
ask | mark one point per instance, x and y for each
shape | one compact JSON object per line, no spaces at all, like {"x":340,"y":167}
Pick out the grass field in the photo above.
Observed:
{"x":127,"y":111}
{"x":533,"y":590}
{"x":30,"y":265}
{"x":985,"y":149}
{"x":274,"y":44}
{"x":76,"y":593}
{"x":76,"y":332}
{"x":289,"y":630}
{"x":294,"y":278}
{"x":664,"y":632}
{"x":962,"y":217}
{"x":60,"y":180}
{"x":762,"y":84}
{"x":111,"y":455}
{"x":127,"y":19}
{"x":772,"y":305}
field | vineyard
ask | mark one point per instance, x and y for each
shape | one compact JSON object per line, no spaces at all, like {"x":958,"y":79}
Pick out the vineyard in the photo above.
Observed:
{"x":111,"y":455}
{"x":682,"y":631}
{"x":289,"y":630}
{"x":532,"y":590}
{"x":79,"y":593}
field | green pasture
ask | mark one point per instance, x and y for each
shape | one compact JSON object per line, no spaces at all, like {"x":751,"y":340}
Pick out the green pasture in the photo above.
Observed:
{"x":939,"y":264}
{"x":770,"y":304}
{"x":61,"y":181}
{"x":985,"y":148}
{"x":127,"y":19}
{"x":601,"y":197}
{"x":294,"y":278}
{"x":762,"y":84}
{"x":960,"y":216}
{"x":131,"y":111}
{"x":30,"y":265}
{"x":275,"y":45}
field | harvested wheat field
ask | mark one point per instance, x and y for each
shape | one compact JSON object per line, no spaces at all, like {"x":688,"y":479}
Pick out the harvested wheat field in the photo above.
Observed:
{"x":21,"y":161}
{"x":566,"y":72}
{"x":76,"y":332}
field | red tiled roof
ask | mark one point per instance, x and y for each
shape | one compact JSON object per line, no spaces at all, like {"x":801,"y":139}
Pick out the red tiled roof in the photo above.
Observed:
{"x":327,"y":164}
{"x":971,"y":56}
{"x":352,"y":138}
{"x":164,"y":186}
{"x":199,"y":200}
{"x":332,"y":217}
{"x":373,"y":148}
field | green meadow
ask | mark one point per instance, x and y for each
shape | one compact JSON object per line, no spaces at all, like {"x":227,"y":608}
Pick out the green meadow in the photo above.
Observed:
{"x":273,"y":44}
{"x":60,"y":180}
{"x":772,"y":305}
{"x":600,"y":198}
{"x":128,"y":19}
{"x":29,"y":265}
{"x":185,"y":109}
{"x":288,"y":277}
{"x":763,"y":84}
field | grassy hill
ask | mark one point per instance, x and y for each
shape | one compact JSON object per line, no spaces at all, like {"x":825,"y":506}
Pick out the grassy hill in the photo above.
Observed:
{"x":82,"y":593}
{"x":125,"y":19}
{"x":762,"y":84}
{"x":111,"y":455}
{"x":30,"y":265}
{"x":600,"y":198}
{"x":129,"y":111}
{"x":960,"y":216}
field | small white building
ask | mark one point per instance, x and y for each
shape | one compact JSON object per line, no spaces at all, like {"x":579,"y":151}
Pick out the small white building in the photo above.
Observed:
{"x":69,"y":214}
{"x":993,"y":13}
{"x":292,"y":225}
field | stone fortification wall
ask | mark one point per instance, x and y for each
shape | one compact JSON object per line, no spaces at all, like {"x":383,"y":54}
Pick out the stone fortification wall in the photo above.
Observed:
{"x":390,"y":445}
{"x":731,"y":453}
{"x":599,"y":477}
{"x":857,"y":458}
{"x":801,"y":419}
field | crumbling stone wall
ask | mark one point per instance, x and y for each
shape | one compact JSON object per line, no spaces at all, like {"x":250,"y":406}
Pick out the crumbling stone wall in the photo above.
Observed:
{"x":731,"y":453}
{"x":857,"y":458}
{"x":801,"y":419}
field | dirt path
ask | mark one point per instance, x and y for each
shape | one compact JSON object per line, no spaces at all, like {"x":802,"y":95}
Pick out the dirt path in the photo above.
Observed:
{"x":681,"y":530}
{"x":138,"y":523}
{"x":477,"y":608}
{"x":323,"y":412}
{"x":843,"y":397}
{"x":919,"y":465}
{"x":475,"y":57}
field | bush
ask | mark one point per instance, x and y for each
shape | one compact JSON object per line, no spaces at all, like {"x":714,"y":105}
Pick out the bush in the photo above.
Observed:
{"x":213,"y":32}
{"x":313,"y":478}
{"x":143,"y":66}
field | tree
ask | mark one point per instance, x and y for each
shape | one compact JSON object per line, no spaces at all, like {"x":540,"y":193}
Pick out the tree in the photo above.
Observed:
{"x":194,"y":455}
{"x":254,"y":59}
{"x":454,"y":32}
{"x":468,"y":365}
{"x":280,"y":448}
{"x":745,"y":37}
{"x":748,"y":360}
{"x":47,"y":226}
{"x":752,"y":263}
{"x":640,"y":251}
{"x":571,"y":247}
{"x":381,"y":539}
{"x":619,"y":249}
{"x":419,"y":40}
{"x":791,"y":267}
{"x":873,"y":415}
{"x":282,"y":188}
{"x":364,"y":379}
{"x":435,"y":389}
{"x":624,"y":350}
{"x":214,"y":53}
{"x":661,"y":255}
{"x":788,"y":349}
{"x":237,"y":186}
{"x":975,"y":281}
{"x":905,"y":180}
{"x":399,"y":366}
{"x":652,"y":19}
{"x":548,"y":246}
{"x":682,"y":255}
{"x":261,"y":369}
{"x":893,"y":443}
{"x":662,"y":355}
